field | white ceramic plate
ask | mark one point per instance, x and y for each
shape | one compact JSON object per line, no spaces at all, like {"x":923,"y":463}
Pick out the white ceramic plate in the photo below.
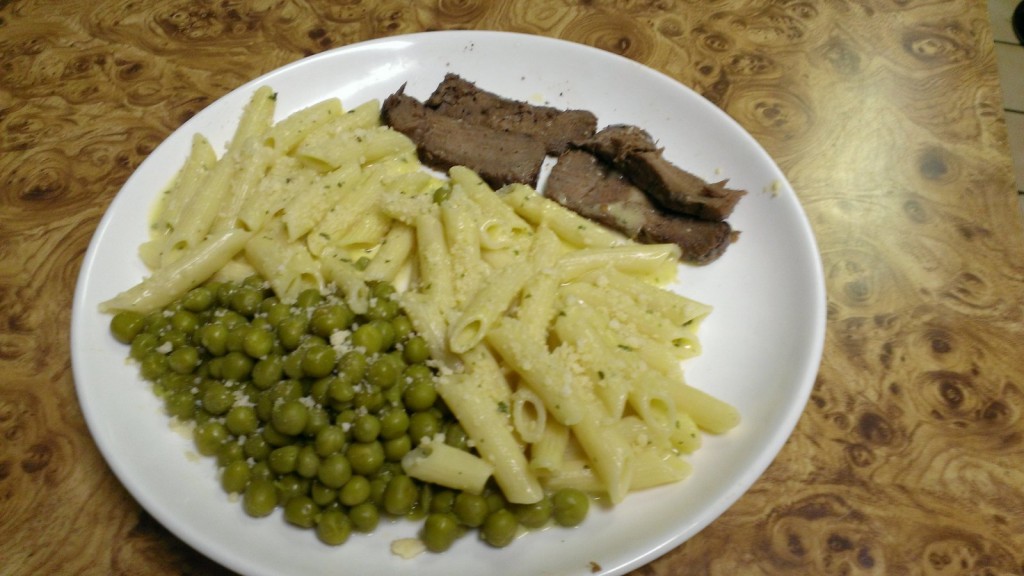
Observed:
{"x":762,"y":344}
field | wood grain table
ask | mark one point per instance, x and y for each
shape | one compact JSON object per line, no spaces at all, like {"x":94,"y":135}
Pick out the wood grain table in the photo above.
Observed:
{"x":885,"y":115}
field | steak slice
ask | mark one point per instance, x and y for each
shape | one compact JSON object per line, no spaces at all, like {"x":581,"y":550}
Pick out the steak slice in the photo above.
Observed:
{"x":499,"y":157}
{"x":460,"y":98}
{"x":586,"y":185}
{"x":633,"y":151}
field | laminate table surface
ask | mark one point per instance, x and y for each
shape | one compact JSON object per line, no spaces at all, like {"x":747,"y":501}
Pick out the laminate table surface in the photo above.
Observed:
{"x":886,"y":118}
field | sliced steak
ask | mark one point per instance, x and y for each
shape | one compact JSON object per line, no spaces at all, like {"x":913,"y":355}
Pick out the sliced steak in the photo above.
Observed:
{"x":460,"y":98}
{"x":583,"y":183}
{"x":633,"y":151}
{"x":499,"y":157}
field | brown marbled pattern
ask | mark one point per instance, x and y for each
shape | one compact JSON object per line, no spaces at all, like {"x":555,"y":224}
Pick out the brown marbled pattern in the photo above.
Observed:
{"x":884,"y":114}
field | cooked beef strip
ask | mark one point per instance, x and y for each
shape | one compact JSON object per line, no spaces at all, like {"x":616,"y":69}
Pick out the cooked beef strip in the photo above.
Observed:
{"x":460,"y":98}
{"x":583,"y":183}
{"x":499,"y":157}
{"x":631,"y":150}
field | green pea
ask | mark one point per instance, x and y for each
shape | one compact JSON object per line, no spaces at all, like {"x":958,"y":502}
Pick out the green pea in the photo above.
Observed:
{"x":495,"y":499}
{"x":257,"y":342}
{"x":387,"y":333}
{"x":318,"y":361}
{"x":184,"y":360}
{"x":534,"y":515}
{"x":382,"y":290}
{"x":500,"y":528}
{"x":443,"y":501}
{"x":341,"y":391}
{"x":470,"y":509}
{"x":569,"y":506}
{"x":355,"y":491}
{"x":290,"y":417}
{"x":442,"y":194}
{"x":282,"y":460}
{"x":153,"y":366}
{"x":214,"y":368}
{"x":237,"y":366}
{"x":366,"y":458}
{"x":236,"y":338}
{"x":307,"y":463}
{"x":275,"y":310}
{"x":235,"y":477}
{"x":366,"y":428}
{"x":423,"y":425}
{"x":417,"y":373}
{"x":455,"y":436}
{"x":334,"y":528}
{"x":291,"y":486}
{"x":322,"y":495}
{"x":382,"y":308}
{"x":369,"y":338}
{"x":214,"y":337}
{"x":364,"y":517}
{"x":352,"y":367}
{"x":370,"y":399}
{"x":260,"y":498}
{"x":301,"y":511}
{"x":400,"y":496}
{"x":402,"y":327}
{"x":276,"y":438}
{"x":309,"y":298}
{"x":246,"y":301}
{"x":318,"y":420}
{"x":184,"y":321}
{"x":330,"y":319}
{"x":256,"y":447}
{"x":174,"y":338}
{"x":180,"y":404}
{"x":419,"y":396}
{"x":293,"y":364}
{"x":440,"y":531}
{"x":335,"y":471}
{"x":290,"y":331}
{"x":415,"y":350}
{"x":396,"y":448}
{"x":230,"y":319}
{"x":217,"y":399}
{"x":209,"y":436}
{"x":257,"y":282}
{"x":177,"y":382}
{"x":224,"y":291}
{"x":289,"y":389}
{"x":198,"y":299}
{"x":143,"y":344}
{"x":384,"y":371}
{"x":156,"y":323}
{"x":126,"y":325}
{"x":241,"y":420}
{"x":318,"y":390}
{"x":394,"y":423}
{"x":260,"y":471}
{"x":329,"y":440}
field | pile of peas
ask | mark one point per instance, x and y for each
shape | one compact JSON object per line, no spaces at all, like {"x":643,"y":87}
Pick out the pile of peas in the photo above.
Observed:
{"x":294,"y":424}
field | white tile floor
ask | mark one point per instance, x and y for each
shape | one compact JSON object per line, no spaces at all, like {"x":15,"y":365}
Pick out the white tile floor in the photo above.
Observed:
{"x":1010,"y":59}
